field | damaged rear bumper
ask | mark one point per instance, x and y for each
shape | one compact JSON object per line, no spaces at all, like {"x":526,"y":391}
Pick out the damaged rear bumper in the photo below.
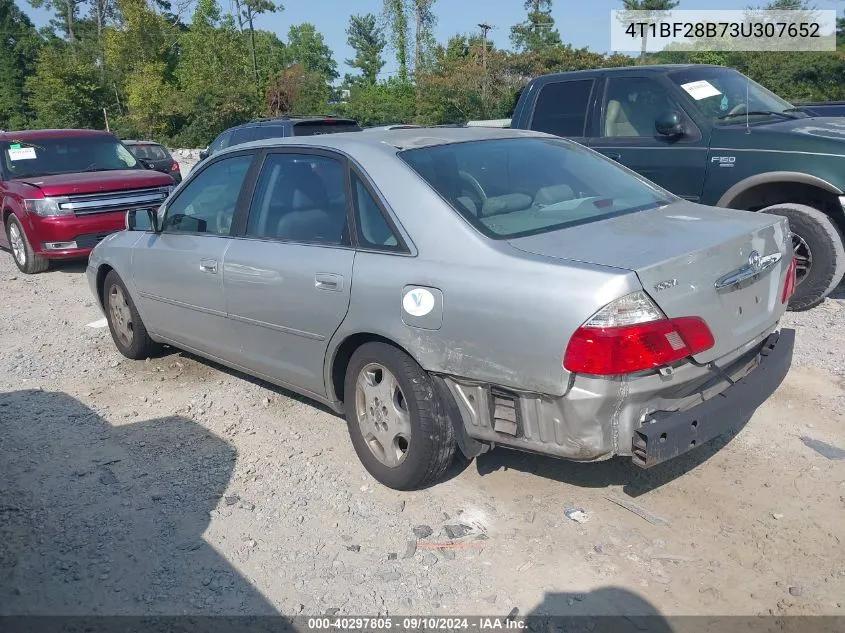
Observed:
{"x":668,"y":434}
{"x":599,"y":418}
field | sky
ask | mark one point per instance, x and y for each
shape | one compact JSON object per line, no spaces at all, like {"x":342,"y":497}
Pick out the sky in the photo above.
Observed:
{"x":580,"y":22}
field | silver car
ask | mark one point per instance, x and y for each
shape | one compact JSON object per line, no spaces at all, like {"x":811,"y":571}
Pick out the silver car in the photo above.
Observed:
{"x":456,"y":289}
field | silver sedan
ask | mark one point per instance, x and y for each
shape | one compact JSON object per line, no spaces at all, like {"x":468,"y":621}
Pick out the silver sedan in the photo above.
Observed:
{"x":455,"y":289}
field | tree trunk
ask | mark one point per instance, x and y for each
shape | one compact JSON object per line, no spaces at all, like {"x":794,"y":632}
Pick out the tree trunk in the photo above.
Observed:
{"x":418,"y":43}
{"x":240,"y":16}
{"x":71,"y":9}
{"x":254,"y":59}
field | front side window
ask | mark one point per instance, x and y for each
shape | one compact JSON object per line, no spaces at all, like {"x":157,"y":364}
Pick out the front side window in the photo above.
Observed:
{"x":561,"y":108}
{"x":523,"y":186}
{"x":51,"y":156}
{"x":300,"y":198}
{"x":725,"y":96}
{"x":632,"y":105}
{"x":243,"y":135}
{"x":207,"y":203}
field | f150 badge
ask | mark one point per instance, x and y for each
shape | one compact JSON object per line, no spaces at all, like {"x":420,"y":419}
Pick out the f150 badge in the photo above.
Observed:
{"x":724,"y":161}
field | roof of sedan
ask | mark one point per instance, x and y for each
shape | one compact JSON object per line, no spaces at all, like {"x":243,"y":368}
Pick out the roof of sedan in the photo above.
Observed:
{"x":394,"y":139}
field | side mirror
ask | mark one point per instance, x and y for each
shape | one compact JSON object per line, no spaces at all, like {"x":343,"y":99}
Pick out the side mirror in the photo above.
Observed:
{"x":669,"y":124}
{"x":142,"y":220}
{"x":204,"y":154}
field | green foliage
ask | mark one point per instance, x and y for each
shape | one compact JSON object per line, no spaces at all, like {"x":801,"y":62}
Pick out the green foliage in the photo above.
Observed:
{"x":383,"y":103}
{"x":185,"y":83}
{"x":19,"y":44}
{"x":538,"y":31}
{"x":307,"y":48}
{"x":396,"y":15}
{"x":367,"y":40}
{"x":65,"y":90}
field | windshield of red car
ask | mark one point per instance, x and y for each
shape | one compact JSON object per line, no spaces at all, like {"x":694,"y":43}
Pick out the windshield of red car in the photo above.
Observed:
{"x":509,"y":188}
{"x":63,"y":155}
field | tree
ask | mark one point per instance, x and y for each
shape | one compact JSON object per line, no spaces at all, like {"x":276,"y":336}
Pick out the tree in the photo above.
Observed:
{"x":252,"y":8}
{"x":307,"y":48}
{"x":657,"y":10}
{"x":65,"y":90}
{"x":296,"y":90}
{"x":538,"y":31}
{"x":396,"y":16}
{"x":385,"y":102}
{"x":367,"y":40}
{"x":216,"y":89}
{"x":18,"y":54}
{"x":425,"y":20}
{"x":67,"y":12}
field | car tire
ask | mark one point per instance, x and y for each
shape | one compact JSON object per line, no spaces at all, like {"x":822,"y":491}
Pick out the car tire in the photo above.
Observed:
{"x":125,"y":324}
{"x":397,"y":420}
{"x":25,"y":258}
{"x":815,"y":231}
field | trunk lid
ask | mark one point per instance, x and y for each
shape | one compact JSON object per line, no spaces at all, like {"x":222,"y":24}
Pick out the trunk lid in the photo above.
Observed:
{"x":679,"y":253}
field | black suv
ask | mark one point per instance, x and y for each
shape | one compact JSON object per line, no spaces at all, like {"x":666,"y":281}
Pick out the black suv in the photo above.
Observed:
{"x":279,"y":128}
{"x":713,"y":136}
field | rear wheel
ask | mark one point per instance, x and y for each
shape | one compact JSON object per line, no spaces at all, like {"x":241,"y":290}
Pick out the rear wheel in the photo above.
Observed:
{"x":127,"y":330}
{"x":25,"y":258}
{"x":818,"y":250}
{"x":397,"y":420}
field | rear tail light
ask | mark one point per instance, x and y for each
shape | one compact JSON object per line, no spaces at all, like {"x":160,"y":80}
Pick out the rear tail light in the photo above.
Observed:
{"x":790,"y":282}
{"x":632,"y":334}
{"x":174,"y":166}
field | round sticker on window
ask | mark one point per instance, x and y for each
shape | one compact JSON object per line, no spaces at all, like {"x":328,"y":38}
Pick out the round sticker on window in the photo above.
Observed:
{"x":418,"y":302}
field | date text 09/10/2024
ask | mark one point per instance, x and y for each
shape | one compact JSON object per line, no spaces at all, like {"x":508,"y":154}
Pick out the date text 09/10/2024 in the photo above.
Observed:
{"x":414,"y":623}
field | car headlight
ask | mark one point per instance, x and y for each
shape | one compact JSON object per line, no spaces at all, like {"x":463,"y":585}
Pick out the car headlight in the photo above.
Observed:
{"x":47,"y":207}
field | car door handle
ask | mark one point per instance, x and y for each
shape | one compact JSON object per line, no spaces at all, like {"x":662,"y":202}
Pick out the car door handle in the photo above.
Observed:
{"x":208,"y":266}
{"x":328,"y":281}
{"x":613,"y":155}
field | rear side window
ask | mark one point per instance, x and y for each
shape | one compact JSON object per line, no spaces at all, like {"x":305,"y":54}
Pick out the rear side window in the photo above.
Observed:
{"x":329,"y":126}
{"x":561,"y":108}
{"x":300,"y":198}
{"x":372,"y":227}
{"x":268,"y":131}
{"x":221,"y":142}
{"x":243,"y":135}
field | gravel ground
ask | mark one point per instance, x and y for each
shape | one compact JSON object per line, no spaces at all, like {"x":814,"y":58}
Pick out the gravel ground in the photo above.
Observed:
{"x":173,"y":486}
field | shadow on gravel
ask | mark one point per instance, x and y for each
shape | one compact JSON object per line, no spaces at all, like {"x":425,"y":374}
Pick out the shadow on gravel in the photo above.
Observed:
{"x":98,"y":519}
{"x":74,"y":266}
{"x":613,"y":472}
{"x":609,"y":609}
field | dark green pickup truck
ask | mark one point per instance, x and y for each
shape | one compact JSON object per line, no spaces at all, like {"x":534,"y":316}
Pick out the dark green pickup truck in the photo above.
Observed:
{"x":711,"y":135}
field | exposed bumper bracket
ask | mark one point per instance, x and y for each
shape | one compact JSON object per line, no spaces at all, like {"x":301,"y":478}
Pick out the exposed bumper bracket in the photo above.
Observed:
{"x":668,"y":434}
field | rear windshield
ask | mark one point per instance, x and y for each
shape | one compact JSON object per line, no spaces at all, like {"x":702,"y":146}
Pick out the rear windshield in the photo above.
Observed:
{"x":523,"y":186}
{"x":313,"y":128}
{"x":149,"y":152}
{"x":51,"y":156}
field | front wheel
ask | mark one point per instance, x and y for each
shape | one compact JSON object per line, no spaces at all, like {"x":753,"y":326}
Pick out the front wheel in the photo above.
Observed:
{"x":397,"y":420}
{"x":22,"y":252}
{"x":127,"y":330}
{"x":818,"y":250}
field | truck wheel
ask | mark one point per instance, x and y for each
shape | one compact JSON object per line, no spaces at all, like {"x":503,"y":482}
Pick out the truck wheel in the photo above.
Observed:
{"x":127,"y":330}
{"x":818,"y":250}
{"x":397,"y":420}
{"x":25,"y":258}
